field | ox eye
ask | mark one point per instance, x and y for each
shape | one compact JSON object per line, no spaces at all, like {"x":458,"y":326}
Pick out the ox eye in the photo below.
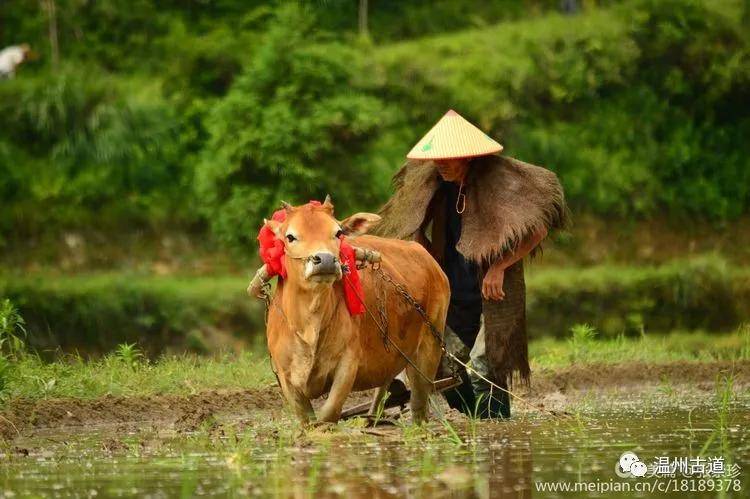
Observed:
{"x":339,"y":233}
{"x":290,"y":238}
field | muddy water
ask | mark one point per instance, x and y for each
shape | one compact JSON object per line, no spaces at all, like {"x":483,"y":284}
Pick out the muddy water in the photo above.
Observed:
{"x":264,"y":457}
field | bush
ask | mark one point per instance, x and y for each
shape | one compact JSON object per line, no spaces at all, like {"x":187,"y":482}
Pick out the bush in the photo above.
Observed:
{"x":80,"y":147}
{"x":291,"y":126}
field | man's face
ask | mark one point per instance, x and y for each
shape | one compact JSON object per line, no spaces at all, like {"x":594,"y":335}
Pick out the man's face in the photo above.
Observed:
{"x":452,"y":170}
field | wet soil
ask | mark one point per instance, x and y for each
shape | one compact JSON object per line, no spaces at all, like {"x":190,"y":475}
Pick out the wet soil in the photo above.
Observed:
{"x":184,"y":412}
{"x":551,"y":389}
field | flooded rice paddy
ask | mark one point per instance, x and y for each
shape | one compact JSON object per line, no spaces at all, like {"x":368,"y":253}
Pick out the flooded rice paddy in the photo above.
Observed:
{"x":269,"y":455}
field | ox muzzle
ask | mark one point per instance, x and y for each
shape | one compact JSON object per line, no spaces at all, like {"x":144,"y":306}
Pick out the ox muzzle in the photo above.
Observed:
{"x":323,"y":267}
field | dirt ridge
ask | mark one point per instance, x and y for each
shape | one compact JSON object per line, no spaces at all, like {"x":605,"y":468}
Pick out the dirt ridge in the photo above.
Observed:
{"x":188,"y":411}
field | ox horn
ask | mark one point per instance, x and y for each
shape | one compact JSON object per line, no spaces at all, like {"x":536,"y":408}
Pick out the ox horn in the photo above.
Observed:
{"x":328,"y":201}
{"x":286,"y":206}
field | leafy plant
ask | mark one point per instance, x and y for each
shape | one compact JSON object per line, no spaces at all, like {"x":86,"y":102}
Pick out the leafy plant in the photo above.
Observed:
{"x":129,"y":354}
{"x":582,"y":335}
{"x":11,"y":342}
{"x":11,"y":329}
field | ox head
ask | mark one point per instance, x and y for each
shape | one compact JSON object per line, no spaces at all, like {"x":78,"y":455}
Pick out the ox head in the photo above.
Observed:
{"x":312,"y":240}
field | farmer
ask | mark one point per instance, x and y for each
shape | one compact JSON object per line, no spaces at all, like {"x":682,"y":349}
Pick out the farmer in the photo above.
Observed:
{"x":479,"y":214}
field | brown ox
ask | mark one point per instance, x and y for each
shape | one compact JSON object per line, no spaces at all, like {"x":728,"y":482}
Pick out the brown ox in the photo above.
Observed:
{"x":316,"y":346}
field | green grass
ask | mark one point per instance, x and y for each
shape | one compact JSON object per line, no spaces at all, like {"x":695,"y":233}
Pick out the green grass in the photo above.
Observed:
{"x":127,"y":374}
{"x":581,"y":349}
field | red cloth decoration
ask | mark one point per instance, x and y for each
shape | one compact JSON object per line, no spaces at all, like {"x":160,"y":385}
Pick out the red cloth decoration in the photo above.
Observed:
{"x":352,"y":283}
{"x":272,"y":248}
{"x":272,"y":254}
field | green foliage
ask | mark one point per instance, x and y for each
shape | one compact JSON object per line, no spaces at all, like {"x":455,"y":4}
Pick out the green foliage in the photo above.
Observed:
{"x":128,"y":353}
{"x":290,"y":126}
{"x":90,"y":151}
{"x":744,"y":353}
{"x":73,"y":376}
{"x":95,"y":313}
{"x":581,"y":338}
{"x":5,"y":369}
{"x":398,"y":19}
{"x":641,"y":109}
{"x":12,"y":329}
{"x":11,"y":343}
{"x":206,"y":114}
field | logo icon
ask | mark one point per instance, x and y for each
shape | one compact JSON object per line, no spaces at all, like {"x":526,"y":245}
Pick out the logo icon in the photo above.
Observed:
{"x":629,"y":466}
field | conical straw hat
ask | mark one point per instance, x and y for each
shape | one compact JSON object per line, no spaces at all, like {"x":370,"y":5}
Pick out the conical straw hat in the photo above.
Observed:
{"x":454,"y":137}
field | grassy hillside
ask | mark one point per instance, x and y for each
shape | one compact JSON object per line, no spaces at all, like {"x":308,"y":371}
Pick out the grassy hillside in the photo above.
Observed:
{"x":640,"y":109}
{"x":204,"y":118}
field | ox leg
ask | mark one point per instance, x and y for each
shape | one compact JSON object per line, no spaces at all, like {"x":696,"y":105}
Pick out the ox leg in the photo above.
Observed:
{"x":340,"y":389}
{"x":427,"y":360}
{"x":302,"y":407}
{"x":300,"y":404}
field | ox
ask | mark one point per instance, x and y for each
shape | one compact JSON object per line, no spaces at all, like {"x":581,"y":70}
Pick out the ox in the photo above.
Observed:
{"x":316,"y":346}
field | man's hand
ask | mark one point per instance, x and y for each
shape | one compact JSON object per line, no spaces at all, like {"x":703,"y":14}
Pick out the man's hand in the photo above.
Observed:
{"x":492,"y":285}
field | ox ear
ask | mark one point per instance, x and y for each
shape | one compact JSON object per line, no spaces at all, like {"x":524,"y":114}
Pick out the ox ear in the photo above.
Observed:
{"x":359,"y":223}
{"x":275,"y":227}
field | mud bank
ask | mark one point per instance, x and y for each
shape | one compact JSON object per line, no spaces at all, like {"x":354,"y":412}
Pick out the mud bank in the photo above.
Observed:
{"x":179,"y":411}
{"x":549,"y":387}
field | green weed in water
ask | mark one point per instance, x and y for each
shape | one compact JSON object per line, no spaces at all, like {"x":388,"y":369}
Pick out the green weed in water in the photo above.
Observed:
{"x":380,"y":409}
{"x":724,"y":397}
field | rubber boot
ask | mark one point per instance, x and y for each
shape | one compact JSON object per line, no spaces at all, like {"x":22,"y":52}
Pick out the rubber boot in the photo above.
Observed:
{"x":496,"y":406}
{"x":462,"y":396}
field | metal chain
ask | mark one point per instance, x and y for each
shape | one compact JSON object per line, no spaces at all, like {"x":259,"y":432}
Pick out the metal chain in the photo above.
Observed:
{"x":384,"y":332}
{"x":409,"y":299}
{"x":383,"y":313}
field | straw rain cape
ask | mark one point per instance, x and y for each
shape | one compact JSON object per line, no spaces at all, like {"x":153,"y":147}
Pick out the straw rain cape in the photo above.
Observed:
{"x":506,"y":201}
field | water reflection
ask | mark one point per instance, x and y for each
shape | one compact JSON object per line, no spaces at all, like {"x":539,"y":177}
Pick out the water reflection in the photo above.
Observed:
{"x":492,"y":460}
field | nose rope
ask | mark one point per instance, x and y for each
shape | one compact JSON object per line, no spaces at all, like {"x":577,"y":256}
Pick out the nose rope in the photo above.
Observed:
{"x":310,"y":258}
